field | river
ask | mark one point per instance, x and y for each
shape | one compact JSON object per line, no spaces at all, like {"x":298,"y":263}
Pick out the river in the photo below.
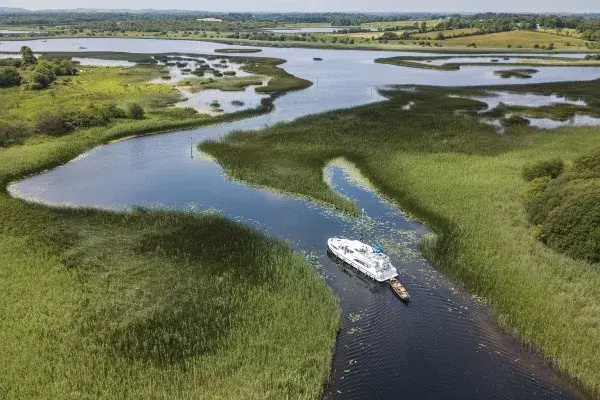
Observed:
{"x":443,"y":344}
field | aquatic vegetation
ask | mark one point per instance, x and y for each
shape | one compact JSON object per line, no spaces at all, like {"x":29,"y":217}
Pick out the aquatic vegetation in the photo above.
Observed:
{"x":237,"y":51}
{"x":516,"y":73}
{"x":424,"y":62}
{"x":229,"y":83}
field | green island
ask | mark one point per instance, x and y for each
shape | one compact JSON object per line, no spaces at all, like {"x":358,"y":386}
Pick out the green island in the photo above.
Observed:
{"x":425,"y":62}
{"x":520,"y":73}
{"x":441,"y":163}
{"x":237,"y":51}
{"x":106,"y":304}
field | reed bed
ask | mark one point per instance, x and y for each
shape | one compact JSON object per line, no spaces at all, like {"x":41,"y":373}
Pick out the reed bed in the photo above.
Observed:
{"x":149,"y":304}
{"x":439,"y":162}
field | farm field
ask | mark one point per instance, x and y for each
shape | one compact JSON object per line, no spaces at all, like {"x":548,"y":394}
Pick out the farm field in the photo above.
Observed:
{"x":525,"y":39}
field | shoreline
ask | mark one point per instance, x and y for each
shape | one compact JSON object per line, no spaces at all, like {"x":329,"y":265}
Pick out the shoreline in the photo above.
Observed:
{"x":304,"y":45}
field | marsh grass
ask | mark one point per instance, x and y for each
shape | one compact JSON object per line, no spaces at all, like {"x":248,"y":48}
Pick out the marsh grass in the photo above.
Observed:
{"x":439,"y":162}
{"x":227,"y":83}
{"x":237,"y":51}
{"x":520,"y":73}
{"x":522,"y":61}
{"x":280,"y":82}
{"x":148,"y":304}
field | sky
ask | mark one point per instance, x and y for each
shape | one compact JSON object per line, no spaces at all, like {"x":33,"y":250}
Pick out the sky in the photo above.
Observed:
{"x":573,"y":6}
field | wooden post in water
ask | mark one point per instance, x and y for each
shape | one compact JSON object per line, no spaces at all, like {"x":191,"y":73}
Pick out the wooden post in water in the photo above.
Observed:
{"x":191,"y":148}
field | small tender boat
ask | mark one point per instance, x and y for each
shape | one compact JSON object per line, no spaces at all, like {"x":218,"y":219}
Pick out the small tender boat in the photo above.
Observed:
{"x":399,"y":289}
{"x":369,"y":260}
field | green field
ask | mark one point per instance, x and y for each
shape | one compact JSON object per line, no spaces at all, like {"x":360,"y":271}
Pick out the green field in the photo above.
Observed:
{"x":447,"y":33}
{"x":524,"y":39}
{"x":149,"y":304}
{"x":438,"y":161}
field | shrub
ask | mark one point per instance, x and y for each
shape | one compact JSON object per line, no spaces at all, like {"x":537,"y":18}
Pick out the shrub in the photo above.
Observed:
{"x":9,"y":76}
{"x":566,"y":212}
{"x":12,"y":133}
{"x":63,"y":68}
{"x":40,"y":80}
{"x":59,"y":122}
{"x":53,"y":123}
{"x":27,"y":56}
{"x":11,"y":62}
{"x":549,"y":168}
{"x":135,"y":111}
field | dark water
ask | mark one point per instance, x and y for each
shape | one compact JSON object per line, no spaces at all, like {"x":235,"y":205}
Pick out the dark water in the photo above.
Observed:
{"x":443,"y":344}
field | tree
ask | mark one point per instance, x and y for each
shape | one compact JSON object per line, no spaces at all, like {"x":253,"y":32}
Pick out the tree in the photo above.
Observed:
{"x":440,"y":36}
{"x":9,"y":76}
{"x":28,"y":56}
{"x":389,"y":36}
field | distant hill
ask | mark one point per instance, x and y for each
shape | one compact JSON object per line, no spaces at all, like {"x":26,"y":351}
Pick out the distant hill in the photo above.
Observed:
{"x":13,"y":10}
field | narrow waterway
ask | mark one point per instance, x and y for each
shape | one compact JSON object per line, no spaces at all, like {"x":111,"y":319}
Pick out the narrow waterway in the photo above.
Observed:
{"x":443,"y":344}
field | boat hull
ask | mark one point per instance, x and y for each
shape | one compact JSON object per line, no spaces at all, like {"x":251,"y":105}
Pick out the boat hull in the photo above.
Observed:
{"x":355,"y":265}
{"x":399,"y":290}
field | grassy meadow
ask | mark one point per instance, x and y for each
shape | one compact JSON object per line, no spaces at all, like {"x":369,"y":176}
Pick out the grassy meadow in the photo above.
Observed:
{"x":462,"y":177}
{"x":148,"y":304}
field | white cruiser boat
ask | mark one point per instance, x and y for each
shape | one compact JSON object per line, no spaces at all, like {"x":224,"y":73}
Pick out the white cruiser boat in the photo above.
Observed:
{"x":369,"y":260}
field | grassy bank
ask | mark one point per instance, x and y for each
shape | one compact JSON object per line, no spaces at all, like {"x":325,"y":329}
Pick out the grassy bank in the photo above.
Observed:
{"x":441,"y":163}
{"x":150,"y":304}
{"x":523,"y":61}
